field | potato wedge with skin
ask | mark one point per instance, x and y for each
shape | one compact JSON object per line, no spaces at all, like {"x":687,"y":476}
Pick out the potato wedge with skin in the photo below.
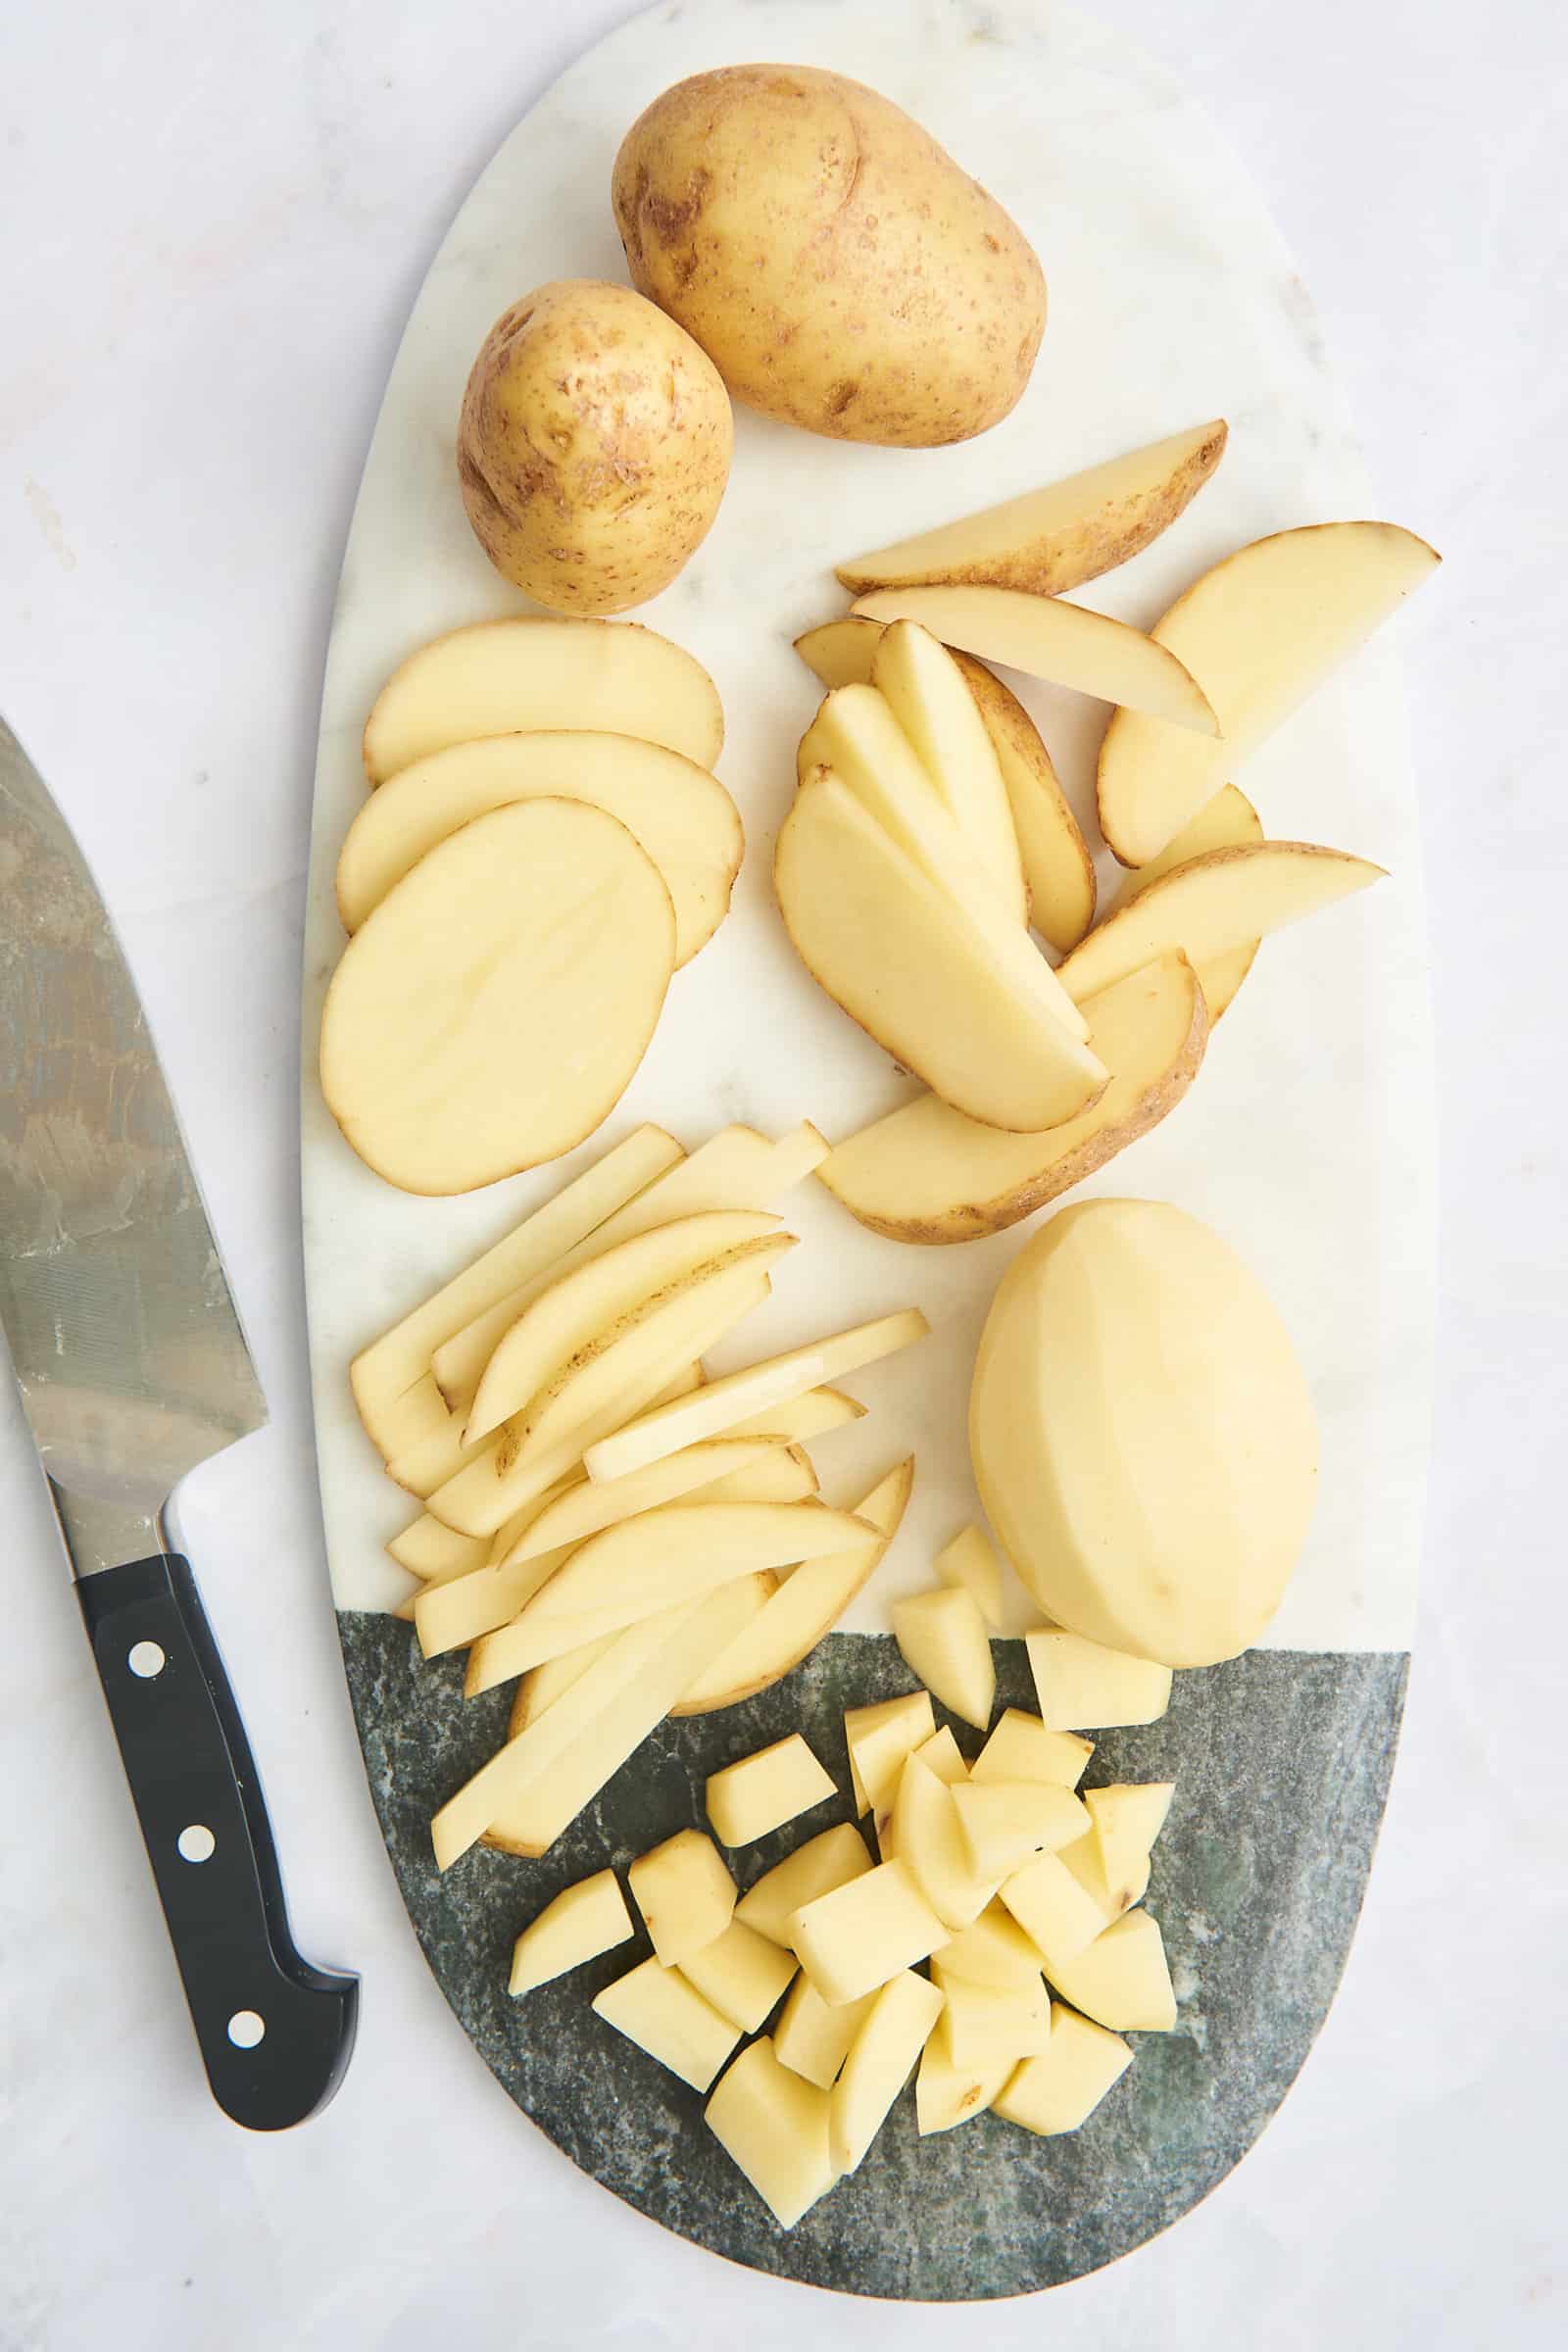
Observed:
{"x":830,"y":1860}
{"x":584,"y":1919}
{"x":584,"y":1509}
{"x":1262,"y":629}
{"x":656,"y":2008}
{"x":504,"y":677}
{"x":1214,"y":905}
{"x":943,"y":1639}
{"x":924,"y":688}
{"x":1066,"y":644}
{"x":540,"y":1687}
{"x":677,"y":812}
{"x":881,"y":2058}
{"x":1120,"y":1980}
{"x":1059,"y":2090}
{"x":803,"y":1608}
{"x":538,"y":926}
{"x":1228,"y":821}
{"x":917,"y":973}
{"x":1056,"y":538}
{"x":774,"y":2127}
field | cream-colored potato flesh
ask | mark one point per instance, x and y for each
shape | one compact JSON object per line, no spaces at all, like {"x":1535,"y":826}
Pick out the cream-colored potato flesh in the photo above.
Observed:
{"x":829,"y":1859}
{"x":1059,"y":2090}
{"x":915,"y":970}
{"x":678,"y":813}
{"x":503,"y":677}
{"x":774,"y":2126}
{"x":762,"y":1792}
{"x":1121,"y":1978}
{"x":585,"y":1508}
{"x":1228,"y":821}
{"x":742,"y":1974}
{"x":852,"y":1940}
{"x":943,"y":1639}
{"x":1261,"y":630}
{"x":1141,"y":1434}
{"x":878,"y":1739}
{"x":926,"y":1174}
{"x":970,"y":1560}
{"x":493,"y":1010}
{"x":924,"y":688}
{"x":584,"y":1919}
{"x":654,"y":2007}
{"x":881,"y":2059}
{"x":685,"y":1894}
{"x":1049,"y":638}
{"x":1055,"y":538}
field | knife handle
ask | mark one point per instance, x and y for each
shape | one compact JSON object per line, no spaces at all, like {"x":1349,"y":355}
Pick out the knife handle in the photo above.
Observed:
{"x":211,"y":1845}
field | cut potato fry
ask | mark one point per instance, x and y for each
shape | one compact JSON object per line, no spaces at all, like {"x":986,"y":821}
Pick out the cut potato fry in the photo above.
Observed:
{"x":781,"y":1474}
{"x":806,"y":1606}
{"x":830,"y":1860}
{"x":400,"y":1359}
{"x":582,"y":1922}
{"x":926,"y":1174}
{"x":541,"y":1687}
{"x":1004,"y":1822}
{"x":677,"y":812}
{"x":741,"y":1395}
{"x":943,"y":1639}
{"x":1228,"y":821}
{"x":685,"y":1894}
{"x":970,"y":1561}
{"x":852,"y":1940}
{"x":742,"y":1974}
{"x":911,"y":966}
{"x":501,"y":677}
{"x":435,"y":1553}
{"x":887,"y":2046}
{"x":537,"y":928}
{"x":1022,"y":1749}
{"x":774,"y":2126}
{"x":799,"y":1419}
{"x":1128,"y":1818}
{"x":1059,"y":1917}
{"x":1056,"y":538}
{"x":662,"y":2014}
{"x":1215,"y":904}
{"x":988,"y":2024}
{"x":584,"y":1509}
{"x":1262,"y":629}
{"x":413,"y":1429}
{"x":946,"y":2095}
{"x":878,"y":1739}
{"x":814,"y":2040}
{"x":924,"y":688}
{"x":1059,"y":2090}
{"x":925,"y":1837}
{"x":1121,"y":1978}
{"x":1051,"y":639}
{"x":446,"y":1616}
{"x":763,"y":1790}
{"x":995,"y":1951}
{"x":1083,"y":1687}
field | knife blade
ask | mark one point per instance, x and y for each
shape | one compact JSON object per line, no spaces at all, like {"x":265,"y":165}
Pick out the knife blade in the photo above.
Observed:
{"x":132,"y":1368}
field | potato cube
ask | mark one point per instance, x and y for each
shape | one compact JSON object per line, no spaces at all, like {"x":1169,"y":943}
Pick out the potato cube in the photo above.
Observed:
{"x":1061,"y":2088}
{"x":878,"y":1739}
{"x":927,"y":1838}
{"x":1083,"y":1687}
{"x":852,"y":1940}
{"x":815,"y":1868}
{"x":1128,"y":1818}
{"x":582,"y":1922}
{"x":943,"y":1639}
{"x":946,"y":2095}
{"x":881,"y":2058}
{"x":656,"y":2008}
{"x":685,"y":1894}
{"x":1083,"y":1859}
{"x":742,"y":1974}
{"x":766,"y":1790}
{"x":774,"y":2126}
{"x":1054,"y":1911}
{"x":812,"y":2040}
{"x":985,"y":2024}
{"x":970,"y":1560}
{"x":994,"y":1951}
{"x":942,"y":1754}
{"x":1004,"y":1822}
{"x":1121,"y":1978}
{"x":1020,"y":1748}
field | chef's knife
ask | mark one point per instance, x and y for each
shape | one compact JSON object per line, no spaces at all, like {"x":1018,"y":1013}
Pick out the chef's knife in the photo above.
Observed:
{"x":132,"y":1368}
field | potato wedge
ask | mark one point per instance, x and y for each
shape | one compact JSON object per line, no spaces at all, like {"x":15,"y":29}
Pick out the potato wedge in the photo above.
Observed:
{"x":881,"y":2059}
{"x":1262,"y":629}
{"x":1049,"y":638}
{"x":1056,"y":538}
{"x":924,"y":688}
{"x":928,"y":1175}
{"x":677,"y":812}
{"x":541,"y":1687}
{"x":1228,"y":821}
{"x":915,"y":970}
{"x":500,"y":677}
{"x":535,"y":925}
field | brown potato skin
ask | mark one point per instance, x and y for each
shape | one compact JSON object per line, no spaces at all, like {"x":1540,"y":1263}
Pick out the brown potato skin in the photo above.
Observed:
{"x":593,"y":446}
{"x":841,"y":271}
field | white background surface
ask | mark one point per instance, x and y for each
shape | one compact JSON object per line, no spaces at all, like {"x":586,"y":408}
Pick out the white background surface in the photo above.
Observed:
{"x":209,"y":242}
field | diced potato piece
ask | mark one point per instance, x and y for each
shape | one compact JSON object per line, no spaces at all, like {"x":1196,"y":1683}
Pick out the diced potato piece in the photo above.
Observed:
{"x":1021,"y":1749}
{"x":815,"y":1869}
{"x":742,"y":1974}
{"x":763,"y":1790}
{"x":995,"y":1951}
{"x":1083,"y":1859}
{"x":881,"y":2058}
{"x":852,"y":1940}
{"x":944,"y":1641}
{"x":656,"y":2008}
{"x":1121,"y":1978}
{"x":927,"y":1839}
{"x":582,"y":1922}
{"x":942,"y":1754}
{"x":774,"y":2126}
{"x":1128,"y":1818}
{"x":989,"y":2023}
{"x":970,"y":1560}
{"x":1054,"y":1911}
{"x":685,"y":1894}
{"x":1004,"y":1822}
{"x":1083,"y":1687}
{"x":946,"y":2095}
{"x":813,"y":2040}
{"x":1061,"y":2088}
{"x":878,"y":1739}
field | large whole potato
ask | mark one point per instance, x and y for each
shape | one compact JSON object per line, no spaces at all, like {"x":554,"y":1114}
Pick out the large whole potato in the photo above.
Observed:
{"x":593,"y":447}
{"x":828,"y":256}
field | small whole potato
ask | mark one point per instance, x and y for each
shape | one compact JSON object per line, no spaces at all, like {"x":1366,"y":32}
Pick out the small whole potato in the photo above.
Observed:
{"x":593,"y":447}
{"x":835,"y":263}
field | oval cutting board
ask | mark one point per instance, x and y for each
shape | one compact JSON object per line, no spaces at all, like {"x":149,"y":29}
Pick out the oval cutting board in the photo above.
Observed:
{"x":1306,"y":1142}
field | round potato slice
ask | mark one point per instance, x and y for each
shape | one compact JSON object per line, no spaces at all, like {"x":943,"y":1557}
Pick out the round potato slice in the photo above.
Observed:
{"x":679,"y":814}
{"x":493,"y":1008}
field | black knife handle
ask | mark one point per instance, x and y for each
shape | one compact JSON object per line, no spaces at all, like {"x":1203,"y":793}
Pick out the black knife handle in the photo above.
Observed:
{"x":209,"y":1841}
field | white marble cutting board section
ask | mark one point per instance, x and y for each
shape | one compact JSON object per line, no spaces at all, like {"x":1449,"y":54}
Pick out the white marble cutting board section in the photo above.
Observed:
{"x":1307,"y":1138}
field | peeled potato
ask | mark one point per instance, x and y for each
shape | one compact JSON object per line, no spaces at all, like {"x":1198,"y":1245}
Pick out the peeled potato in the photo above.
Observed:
{"x":494,"y":1008}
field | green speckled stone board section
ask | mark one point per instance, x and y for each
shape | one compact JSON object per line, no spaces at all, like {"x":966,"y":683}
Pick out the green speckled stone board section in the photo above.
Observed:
{"x":1282,"y":1763}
